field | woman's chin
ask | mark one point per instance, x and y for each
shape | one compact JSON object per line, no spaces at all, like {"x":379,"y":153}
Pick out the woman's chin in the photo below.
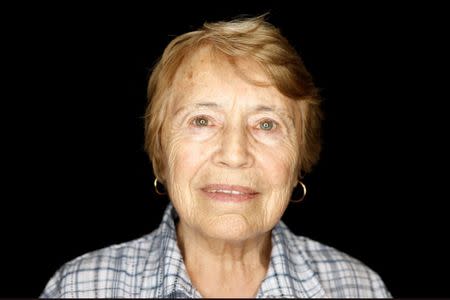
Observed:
{"x":231,"y":227}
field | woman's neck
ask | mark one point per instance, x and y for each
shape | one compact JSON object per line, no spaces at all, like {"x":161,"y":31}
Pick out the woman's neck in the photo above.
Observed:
{"x":219,"y":268}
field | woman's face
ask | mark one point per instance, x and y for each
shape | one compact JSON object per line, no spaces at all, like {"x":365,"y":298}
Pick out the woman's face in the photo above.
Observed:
{"x":231,"y":149}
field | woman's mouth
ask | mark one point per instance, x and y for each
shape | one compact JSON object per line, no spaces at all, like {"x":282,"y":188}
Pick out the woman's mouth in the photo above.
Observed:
{"x":229,"y":193}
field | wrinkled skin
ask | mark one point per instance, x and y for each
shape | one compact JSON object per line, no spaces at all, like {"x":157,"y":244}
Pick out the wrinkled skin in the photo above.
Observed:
{"x":223,"y":141}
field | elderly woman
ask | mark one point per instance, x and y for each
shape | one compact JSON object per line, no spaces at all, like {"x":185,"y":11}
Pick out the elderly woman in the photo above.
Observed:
{"x":233,"y":120}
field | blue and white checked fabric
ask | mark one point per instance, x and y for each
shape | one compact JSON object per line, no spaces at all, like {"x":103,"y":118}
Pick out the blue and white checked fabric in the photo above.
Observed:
{"x":152,"y":267}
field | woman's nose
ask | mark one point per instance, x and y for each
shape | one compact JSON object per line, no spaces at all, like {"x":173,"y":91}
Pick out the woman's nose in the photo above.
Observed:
{"x":234,"y":148}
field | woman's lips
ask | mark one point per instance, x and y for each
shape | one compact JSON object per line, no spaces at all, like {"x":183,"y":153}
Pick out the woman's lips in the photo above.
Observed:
{"x":233,"y":193}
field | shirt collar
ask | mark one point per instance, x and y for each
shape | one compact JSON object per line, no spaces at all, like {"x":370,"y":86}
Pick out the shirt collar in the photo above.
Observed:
{"x":172,"y":272}
{"x":288,"y":274}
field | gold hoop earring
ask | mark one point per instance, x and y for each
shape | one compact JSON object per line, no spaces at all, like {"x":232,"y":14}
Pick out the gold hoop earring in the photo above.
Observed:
{"x":155,"y":183}
{"x":304,"y":193}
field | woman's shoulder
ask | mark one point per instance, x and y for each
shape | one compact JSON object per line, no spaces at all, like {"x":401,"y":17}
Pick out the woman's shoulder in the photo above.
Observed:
{"x":127,"y":252}
{"x":110,"y":271}
{"x":316,"y":252}
{"x":122,"y":254}
{"x":319,"y":252}
{"x":337,"y":271}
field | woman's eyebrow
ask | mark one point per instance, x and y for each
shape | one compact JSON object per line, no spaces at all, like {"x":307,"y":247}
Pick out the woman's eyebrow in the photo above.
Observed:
{"x":275,"y":109}
{"x":196,"y":105}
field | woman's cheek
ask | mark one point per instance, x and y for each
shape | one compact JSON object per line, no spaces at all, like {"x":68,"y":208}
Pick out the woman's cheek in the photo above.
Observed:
{"x":280,"y":163}
{"x":284,"y":154}
{"x":288,"y":156}
{"x":182,"y":158}
{"x":172,"y":151}
{"x":191,"y":149}
{"x":291,"y":161}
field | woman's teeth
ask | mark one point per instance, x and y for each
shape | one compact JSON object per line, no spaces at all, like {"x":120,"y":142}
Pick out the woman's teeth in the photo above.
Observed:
{"x":226,"y":192}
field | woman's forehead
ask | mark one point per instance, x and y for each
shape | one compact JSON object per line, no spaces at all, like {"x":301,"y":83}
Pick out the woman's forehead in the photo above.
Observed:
{"x":206,"y":61}
{"x":209,"y":77}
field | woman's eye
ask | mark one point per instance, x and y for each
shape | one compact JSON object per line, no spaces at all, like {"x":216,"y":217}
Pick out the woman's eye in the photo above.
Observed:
{"x":266,"y":125}
{"x":201,"y":122}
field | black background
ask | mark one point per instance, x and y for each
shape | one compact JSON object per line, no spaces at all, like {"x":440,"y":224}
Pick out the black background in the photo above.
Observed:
{"x":76,"y":178}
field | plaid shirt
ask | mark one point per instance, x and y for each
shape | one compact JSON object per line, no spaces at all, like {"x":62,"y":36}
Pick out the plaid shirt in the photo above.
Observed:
{"x":152,"y":267}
